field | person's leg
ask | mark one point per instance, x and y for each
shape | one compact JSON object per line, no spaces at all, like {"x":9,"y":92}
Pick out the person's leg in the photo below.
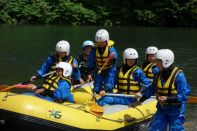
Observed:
{"x":70,"y":98}
{"x":62,"y":93}
{"x":111,"y":100}
{"x":158,"y":122}
{"x":110,"y":78}
{"x":176,"y":123}
{"x":98,"y":81}
{"x":67,"y":96}
{"x":29,"y":93}
{"x":44,"y":97}
{"x":106,"y":100}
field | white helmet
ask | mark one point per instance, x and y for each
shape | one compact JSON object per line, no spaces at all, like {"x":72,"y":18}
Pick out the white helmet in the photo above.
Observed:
{"x":63,"y":46}
{"x":151,"y":50}
{"x":67,"y":68}
{"x":166,"y":56}
{"x":102,"y":35}
{"x":130,"y":53}
{"x":88,"y":43}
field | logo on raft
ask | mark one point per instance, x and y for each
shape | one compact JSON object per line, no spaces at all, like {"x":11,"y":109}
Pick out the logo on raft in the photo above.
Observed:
{"x":54,"y":114}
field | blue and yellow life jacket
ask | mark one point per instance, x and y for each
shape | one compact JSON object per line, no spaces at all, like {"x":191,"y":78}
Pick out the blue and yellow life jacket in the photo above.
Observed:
{"x":148,"y":70}
{"x":126,"y":83}
{"x":169,"y":88}
{"x":51,"y":83}
{"x":100,"y":59}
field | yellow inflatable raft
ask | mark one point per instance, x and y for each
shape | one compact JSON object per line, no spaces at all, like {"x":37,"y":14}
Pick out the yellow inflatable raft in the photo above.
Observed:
{"x":31,"y":112}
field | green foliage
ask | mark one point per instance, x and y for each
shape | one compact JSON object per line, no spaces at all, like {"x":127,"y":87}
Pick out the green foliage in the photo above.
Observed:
{"x":37,"y":11}
{"x":71,"y":13}
{"x":102,"y":12}
{"x":5,"y":18}
{"x":177,"y":14}
{"x":44,"y":12}
{"x":145,"y":17}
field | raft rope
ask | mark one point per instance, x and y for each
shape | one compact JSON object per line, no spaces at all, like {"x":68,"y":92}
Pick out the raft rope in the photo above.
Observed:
{"x":83,"y":108}
{"x":140,"y":111}
{"x":6,"y":96}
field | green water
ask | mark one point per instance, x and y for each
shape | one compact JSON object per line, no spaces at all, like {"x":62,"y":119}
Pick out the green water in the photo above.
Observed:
{"x":24,"y":48}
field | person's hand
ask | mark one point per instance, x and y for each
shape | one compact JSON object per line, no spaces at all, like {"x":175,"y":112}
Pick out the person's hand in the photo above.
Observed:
{"x":33,"y":78}
{"x":74,"y":65}
{"x":32,"y":86}
{"x":162,"y":99}
{"x":81,"y":81}
{"x":133,"y":105}
{"x":138,"y":95}
{"x":38,"y":91}
{"x":89,"y":78}
{"x":102,"y":93}
{"x":111,"y":56}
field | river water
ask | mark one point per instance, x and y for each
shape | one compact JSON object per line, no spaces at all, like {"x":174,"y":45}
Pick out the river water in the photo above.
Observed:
{"x":24,"y":48}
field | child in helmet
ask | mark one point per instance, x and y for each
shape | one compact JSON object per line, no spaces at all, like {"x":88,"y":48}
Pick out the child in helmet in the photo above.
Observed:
{"x":149,"y":67}
{"x":172,"y":91}
{"x":57,"y":86}
{"x":102,"y":60}
{"x":130,"y":80}
{"x":62,"y":55}
{"x":82,"y":59}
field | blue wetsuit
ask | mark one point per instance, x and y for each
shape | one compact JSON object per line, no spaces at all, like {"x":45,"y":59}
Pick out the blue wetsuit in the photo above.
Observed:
{"x":105,"y":80}
{"x":172,"y":115}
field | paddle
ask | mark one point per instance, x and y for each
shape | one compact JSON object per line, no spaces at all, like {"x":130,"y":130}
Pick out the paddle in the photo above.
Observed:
{"x":191,"y":99}
{"x":21,"y":85}
{"x":111,"y":55}
{"x":47,"y":74}
{"x":122,"y":95}
{"x":78,"y":86}
{"x":95,"y":107}
{"x":7,"y":88}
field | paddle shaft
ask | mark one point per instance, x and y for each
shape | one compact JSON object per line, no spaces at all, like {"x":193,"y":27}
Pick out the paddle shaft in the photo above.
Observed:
{"x":21,"y":85}
{"x":95,"y":107}
{"x":191,"y":99}
{"x":78,"y":86}
{"x":106,"y":62}
{"x":47,"y":74}
{"x":8,"y":88}
{"x":93,"y":93}
{"x":122,"y":95}
{"x":16,"y":86}
{"x":99,"y":72}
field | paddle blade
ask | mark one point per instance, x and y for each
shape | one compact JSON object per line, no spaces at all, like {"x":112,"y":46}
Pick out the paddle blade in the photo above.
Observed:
{"x":192,"y":99}
{"x":8,"y":88}
{"x":96,"y":108}
{"x":5,"y":88}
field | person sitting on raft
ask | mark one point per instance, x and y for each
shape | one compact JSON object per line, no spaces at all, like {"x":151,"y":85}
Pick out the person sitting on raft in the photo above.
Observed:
{"x":57,"y":86}
{"x":149,"y":66}
{"x":131,"y":80}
